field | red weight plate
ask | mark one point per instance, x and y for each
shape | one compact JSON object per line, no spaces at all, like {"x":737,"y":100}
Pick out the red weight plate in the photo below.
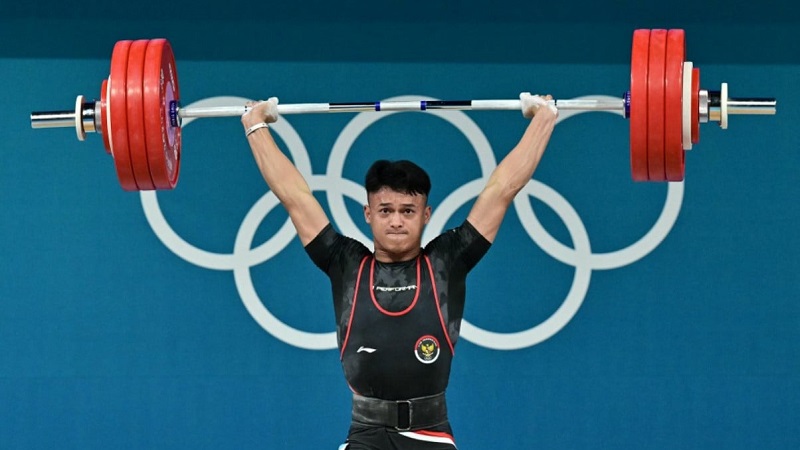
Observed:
{"x":117,"y":115}
{"x":673,"y":106}
{"x":655,"y":105}
{"x":638,"y":106}
{"x":695,"y":105}
{"x":136,"y":128}
{"x":104,"y":115}
{"x":160,"y":89}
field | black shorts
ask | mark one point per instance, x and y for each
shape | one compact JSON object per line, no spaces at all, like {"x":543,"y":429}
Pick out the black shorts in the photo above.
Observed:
{"x":378,"y":438}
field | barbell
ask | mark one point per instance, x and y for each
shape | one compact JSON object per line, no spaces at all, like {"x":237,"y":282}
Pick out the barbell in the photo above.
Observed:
{"x":139,"y":113}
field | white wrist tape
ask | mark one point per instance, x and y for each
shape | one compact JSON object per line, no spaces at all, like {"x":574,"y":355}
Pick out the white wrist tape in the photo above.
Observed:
{"x":255,"y":127}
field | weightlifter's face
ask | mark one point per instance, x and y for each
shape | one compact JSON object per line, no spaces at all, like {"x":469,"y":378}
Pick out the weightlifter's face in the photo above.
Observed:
{"x":397,"y":220}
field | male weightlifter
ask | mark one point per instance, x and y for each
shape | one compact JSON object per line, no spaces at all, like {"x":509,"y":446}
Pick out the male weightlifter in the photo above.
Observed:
{"x":399,"y":308}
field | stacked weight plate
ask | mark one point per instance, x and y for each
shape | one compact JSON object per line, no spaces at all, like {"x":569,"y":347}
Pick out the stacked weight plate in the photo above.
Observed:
{"x":146,"y":145}
{"x":664,"y":105}
{"x":134,"y":114}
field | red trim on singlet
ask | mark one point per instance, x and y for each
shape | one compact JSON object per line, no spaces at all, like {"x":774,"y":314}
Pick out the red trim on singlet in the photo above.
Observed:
{"x":430,"y":436}
{"x":439,"y":307}
{"x":436,"y":434}
{"x":352,"y":307}
{"x":375,"y":301}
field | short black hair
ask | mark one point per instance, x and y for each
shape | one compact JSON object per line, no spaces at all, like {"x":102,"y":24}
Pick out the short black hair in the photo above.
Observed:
{"x":401,"y":176}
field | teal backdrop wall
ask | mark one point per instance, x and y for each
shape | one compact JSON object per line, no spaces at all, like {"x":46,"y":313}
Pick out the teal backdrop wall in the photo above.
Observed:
{"x":608,"y":314}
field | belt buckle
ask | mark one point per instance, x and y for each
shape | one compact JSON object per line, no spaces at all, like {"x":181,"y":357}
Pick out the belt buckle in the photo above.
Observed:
{"x":403,"y":414}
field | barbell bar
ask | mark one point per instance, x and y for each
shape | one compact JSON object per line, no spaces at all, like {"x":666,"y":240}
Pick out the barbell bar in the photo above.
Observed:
{"x":139,"y":113}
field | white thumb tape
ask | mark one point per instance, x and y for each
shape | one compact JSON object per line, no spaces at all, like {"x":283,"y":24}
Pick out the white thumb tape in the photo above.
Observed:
{"x":271,"y":111}
{"x":532,"y":103}
{"x":526,"y":104}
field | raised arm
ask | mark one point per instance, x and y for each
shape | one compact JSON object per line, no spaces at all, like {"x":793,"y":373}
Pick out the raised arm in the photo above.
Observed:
{"x":516,"y":169}
{"x":281,"y":175}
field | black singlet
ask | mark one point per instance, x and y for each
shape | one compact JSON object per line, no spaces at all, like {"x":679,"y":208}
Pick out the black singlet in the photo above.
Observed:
{"x":396,"y":333}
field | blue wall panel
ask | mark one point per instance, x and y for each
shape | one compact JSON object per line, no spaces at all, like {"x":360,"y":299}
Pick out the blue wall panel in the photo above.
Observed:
{"x":110,"y":337}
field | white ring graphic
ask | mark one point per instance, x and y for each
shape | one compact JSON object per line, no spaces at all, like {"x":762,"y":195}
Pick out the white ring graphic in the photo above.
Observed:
{"x":244,"y":283}
{"x":244,"y":257}
{"x":610,"y":260}
{"x":575,"y":296}
{"x":218,"y":261}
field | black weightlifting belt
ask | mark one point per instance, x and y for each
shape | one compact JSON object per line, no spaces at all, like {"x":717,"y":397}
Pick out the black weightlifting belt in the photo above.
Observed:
{"x":402,"y":415}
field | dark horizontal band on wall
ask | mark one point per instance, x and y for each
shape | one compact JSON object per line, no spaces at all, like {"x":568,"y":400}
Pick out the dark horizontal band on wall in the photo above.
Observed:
{"x":591,"y":43}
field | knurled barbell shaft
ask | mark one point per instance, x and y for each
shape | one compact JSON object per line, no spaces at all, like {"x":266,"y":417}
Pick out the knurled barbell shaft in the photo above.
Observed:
{"x":422,"y":105}
{"x":66,"y":119}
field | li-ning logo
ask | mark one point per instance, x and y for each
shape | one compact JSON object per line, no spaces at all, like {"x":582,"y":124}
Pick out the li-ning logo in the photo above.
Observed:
{"x":427,"y":349}
{"x":244,"y":256}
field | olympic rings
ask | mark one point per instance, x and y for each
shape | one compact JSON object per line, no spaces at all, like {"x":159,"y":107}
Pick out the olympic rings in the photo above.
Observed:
{"x":244,"y":257}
